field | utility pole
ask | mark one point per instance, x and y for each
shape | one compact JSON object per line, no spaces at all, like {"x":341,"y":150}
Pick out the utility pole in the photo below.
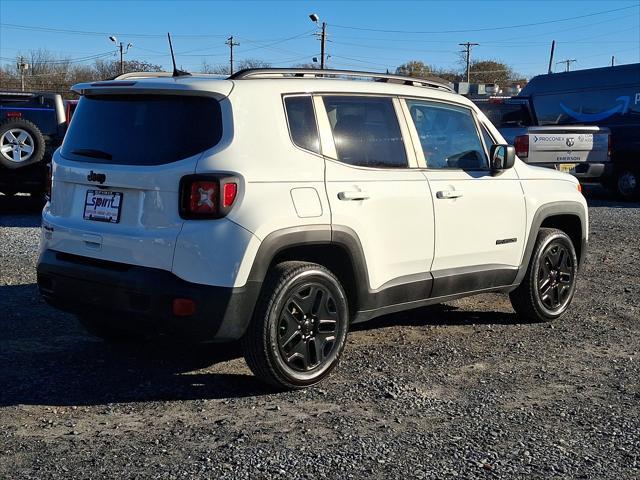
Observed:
{"x":22,"y":66}
{"x":231,"y":44}
{"x":553,"y":47}
{"x":468,"y":46}
{"x":567,"y":63}
{"x":613,"y":60}
{"x":121,"y":48}
{"x":323,"y":39}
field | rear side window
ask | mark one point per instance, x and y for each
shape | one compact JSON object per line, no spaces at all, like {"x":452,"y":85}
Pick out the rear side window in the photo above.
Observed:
{"x":505,"y":115}
{"x":142,"y":129}
{"x":448,"y":135}
{"x":302,"y":122}
{"x":366,"y":131}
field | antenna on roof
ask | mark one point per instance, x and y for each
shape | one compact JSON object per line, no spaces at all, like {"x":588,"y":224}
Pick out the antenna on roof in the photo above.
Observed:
{"x":176,"y":72}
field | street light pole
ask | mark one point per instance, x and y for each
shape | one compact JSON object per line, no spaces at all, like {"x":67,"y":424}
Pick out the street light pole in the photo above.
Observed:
{"x":22,"y":66}
{"x":121,"y":48}
{"x":323,"y":38}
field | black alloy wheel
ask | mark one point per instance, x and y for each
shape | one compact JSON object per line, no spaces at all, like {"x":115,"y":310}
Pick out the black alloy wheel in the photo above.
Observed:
{"x":555,"y":276}
{"x":308,"y":327}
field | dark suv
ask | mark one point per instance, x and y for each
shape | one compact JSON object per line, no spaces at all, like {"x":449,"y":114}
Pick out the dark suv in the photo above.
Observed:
{"x":32,"y":126}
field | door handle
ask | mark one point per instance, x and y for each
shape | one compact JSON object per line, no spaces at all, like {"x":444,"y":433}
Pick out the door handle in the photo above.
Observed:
{"x":449,"y":194}
{"x":353,"y":195}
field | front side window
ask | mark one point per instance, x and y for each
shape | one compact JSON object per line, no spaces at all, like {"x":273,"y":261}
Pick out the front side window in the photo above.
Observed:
{"x":448,"y":135}
{"x":366,"y":131}
{"x":302,"y":122}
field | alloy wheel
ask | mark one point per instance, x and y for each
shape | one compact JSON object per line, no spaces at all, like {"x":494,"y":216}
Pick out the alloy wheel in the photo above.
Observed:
{"x":16,"y":145}
{"x":308,"y":327}
{"x":555,"y":276}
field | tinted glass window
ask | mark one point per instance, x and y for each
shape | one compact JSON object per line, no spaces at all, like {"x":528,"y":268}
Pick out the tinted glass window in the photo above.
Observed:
{"x":448,"y":136}
{"x":302,"y":122}
{"x":142,"y":129}
{"x":506,"y":114}
{"x":605,"y":107}
{"x":366,"y":131}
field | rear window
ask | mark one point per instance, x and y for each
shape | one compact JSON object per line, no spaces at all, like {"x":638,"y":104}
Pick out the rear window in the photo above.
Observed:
{"x":142,"y":129}
{"x":504,"y":115}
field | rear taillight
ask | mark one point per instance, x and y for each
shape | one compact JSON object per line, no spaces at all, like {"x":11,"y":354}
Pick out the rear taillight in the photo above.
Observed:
{"x":207,"y":197}
{"x":522,"y":146}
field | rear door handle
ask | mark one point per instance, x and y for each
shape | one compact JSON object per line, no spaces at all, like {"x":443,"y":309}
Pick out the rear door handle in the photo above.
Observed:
{"x":353,"y":195}
{"x":449,"y":194}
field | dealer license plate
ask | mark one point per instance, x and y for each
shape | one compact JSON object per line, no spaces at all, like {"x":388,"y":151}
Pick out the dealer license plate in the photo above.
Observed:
{"x":103,"y":206}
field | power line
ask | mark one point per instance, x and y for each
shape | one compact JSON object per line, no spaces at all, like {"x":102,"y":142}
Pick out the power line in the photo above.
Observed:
{"x":506,"y":27}
{"x":85,"y":32}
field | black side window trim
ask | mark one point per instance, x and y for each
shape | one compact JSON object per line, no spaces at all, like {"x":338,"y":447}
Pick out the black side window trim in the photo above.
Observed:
{"x":315,"y":117}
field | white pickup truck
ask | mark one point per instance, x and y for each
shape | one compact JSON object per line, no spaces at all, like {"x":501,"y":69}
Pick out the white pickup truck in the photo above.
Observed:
{"x":584,"y":151}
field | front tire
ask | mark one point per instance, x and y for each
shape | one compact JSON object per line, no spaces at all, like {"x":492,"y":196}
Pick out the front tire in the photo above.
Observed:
{"x":550,"y":282}
{"x":299,"y":327}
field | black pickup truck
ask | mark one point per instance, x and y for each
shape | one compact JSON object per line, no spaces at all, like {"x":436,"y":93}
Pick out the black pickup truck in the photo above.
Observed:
{"x":32,"y":126}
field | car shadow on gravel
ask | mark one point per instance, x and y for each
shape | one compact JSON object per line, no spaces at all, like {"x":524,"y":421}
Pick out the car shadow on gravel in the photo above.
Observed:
{"x":46,"y":358}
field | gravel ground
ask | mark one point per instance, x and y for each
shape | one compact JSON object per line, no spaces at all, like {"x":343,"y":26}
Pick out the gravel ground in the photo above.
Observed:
{"x":459,"y":390}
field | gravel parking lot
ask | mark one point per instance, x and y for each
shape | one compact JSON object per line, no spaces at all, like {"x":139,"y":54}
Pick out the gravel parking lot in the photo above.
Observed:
{"x":459,"y":390}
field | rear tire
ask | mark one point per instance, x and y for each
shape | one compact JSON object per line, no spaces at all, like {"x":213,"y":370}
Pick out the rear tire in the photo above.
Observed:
{"x":299,"y":327}
{"x":550,"y":282}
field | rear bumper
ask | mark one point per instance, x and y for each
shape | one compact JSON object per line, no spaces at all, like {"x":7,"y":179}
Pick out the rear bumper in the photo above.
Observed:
{"x":140,"y":298}
{"x":585,"y":171}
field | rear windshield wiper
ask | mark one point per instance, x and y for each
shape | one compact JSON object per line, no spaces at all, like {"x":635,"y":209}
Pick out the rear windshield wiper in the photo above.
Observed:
{"x":90,"y":152}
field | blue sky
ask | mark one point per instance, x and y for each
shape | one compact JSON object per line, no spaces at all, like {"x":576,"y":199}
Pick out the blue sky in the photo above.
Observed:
{"x":364,"y":35}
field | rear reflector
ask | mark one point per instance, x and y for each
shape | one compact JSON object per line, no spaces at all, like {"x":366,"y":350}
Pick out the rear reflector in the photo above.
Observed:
{"x":522,"y":146}
{"x":14,"y":114}
{"x":183,"y":307}
{"x":229,"y":194}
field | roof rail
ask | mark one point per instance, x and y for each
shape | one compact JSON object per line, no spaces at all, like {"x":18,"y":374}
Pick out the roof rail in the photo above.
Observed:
{"x":249,"y":73}
{"x":126,"y":76}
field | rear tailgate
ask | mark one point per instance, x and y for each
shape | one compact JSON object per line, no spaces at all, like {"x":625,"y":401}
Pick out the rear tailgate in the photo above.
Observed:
{"x":568,"y":145}
{"x":116,"y":178}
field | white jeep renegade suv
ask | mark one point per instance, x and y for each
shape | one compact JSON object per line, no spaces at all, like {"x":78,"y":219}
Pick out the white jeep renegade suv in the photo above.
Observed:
{"x":280,"y":206}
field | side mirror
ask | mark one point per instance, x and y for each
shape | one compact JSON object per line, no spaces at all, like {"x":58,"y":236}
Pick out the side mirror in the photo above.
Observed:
{"x":502,"y":157}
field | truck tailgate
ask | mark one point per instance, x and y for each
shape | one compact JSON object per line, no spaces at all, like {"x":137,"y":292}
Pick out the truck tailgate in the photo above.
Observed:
{"x":568,"y":145}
